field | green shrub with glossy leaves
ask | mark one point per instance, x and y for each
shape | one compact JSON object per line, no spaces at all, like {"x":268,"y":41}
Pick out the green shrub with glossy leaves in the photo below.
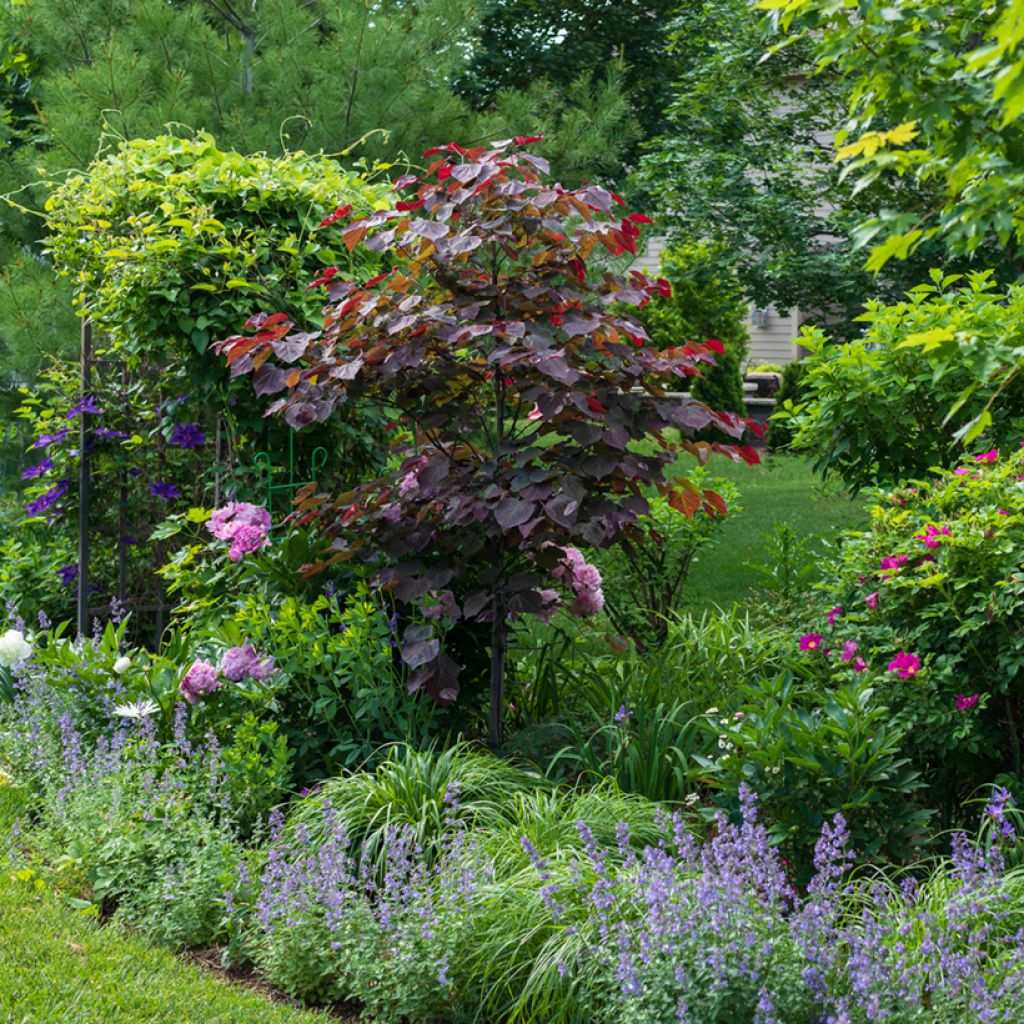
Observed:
{"x":878,"y":410}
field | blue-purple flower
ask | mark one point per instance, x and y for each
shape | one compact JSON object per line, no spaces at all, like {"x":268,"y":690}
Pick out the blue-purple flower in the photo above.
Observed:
{"x":41,"y":468}
{"x":187,"y":435}
{"x":86,"y":406}
{"x":107,"y":434}
{"x":47,"y":500}
{"x":164,"y":490}
{"x":45,"y":440}
{"x":68,"y":573}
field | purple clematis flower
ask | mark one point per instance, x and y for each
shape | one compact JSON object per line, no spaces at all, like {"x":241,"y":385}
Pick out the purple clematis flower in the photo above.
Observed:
{"x":68,"y":573}
{"x":40,"y":469}
{"x":46,"y":501}
{"x":45,"y":440}
{"x":166,"y":491}
{"x":86,"y":405}
{"x":187,"y":435}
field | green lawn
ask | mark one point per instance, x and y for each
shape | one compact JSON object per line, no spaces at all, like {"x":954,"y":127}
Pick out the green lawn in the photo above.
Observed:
{"x":59,"y":967}
{"x":782,"y":490}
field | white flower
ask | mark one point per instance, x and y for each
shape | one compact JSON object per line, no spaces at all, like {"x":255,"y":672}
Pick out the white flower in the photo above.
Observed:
{"x":13,"y":648}
{"x":122,"y":664}
{"x":711,"y":711}
{"x":139,"y":710}
{"x":692,"y":799}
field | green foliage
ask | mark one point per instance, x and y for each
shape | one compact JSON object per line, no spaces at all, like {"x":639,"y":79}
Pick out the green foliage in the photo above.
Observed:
{"x":426,"y":791}
{"x":933,"y":104}
{"x":342,"y":691}
{"x":780,"y":433}
{"x":810,"y":753}
{"x":957,"y":603}
{"x":30,"y":555}
{"x":877,"y":410}
{"x":745,"y":161}
{"x":706,"y":302}
{"x":645,"y":577}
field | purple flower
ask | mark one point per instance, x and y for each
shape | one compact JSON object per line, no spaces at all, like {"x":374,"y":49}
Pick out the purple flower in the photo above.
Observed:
{"x":905,"y":664}
{"x":623,"y":714}
{"x":243,"y":662}
{"x":187,"y":435}
{"x":996,"y":810}
{"x":46,"y":501}
{"x":44,"y":440}
{"x":834,"y":613}
{"x":166,"y":491}
{"x":68,"y":573}
{"x":39,"y":469}
{"x":199,"y":680}
{"x":107,"y":434}
{"x":872,"y":600}
{"x":810,"y":641}
{"x":86,"y":405}
{"x":849,"y":650}
{"x":966,"y":703}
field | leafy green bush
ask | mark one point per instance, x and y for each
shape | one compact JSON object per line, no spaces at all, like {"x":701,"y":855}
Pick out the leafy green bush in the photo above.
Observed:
{"x":706,"y":302}
{"x":938,"y":581}
{"x":790,"y":394}
{"x":645,"y":575}
{"x":877,"y":410}
{"x":810,"y":753}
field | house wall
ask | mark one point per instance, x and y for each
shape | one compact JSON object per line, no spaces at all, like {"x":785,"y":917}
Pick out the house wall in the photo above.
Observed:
{"x":771,"y":343}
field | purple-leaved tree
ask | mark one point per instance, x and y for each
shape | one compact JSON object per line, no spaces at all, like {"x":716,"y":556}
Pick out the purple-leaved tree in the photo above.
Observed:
{"x":528,"y":389}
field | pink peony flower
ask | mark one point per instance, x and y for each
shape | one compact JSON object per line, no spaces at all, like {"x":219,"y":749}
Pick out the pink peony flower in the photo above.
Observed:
{"x":199,"y":680}
{"x":834,"y":613}
{"x":872,"y":600}
{"x":585,"y":581}
{"x":810,"y":641}
{"x":990,"y":456}
{"x":966,"y":703}
{"x":225,"y":522}
{"x":849,"y":650}
{"x":248,"y":538}
{"x":905,"y":664}
{"x":243,"y":662}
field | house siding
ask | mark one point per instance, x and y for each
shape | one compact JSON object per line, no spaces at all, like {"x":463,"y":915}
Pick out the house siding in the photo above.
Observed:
{"x":773,"y":343}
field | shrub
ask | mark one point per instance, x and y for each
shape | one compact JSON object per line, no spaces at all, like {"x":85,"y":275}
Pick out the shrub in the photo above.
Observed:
{"x":877,"y":410}
{"x":932,"y":597}
{"x":707,"y":301}
{"x":524,"y":387}
{"x":790,"y":395}
{"x":645,"y":575}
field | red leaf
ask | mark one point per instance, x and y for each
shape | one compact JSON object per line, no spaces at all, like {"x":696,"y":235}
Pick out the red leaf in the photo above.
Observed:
{"x":618,"y":199}
{"x":749,"y":455}
{"x":684,"y":501}
{"x":405,"y":205}
{"x":444,"y":172}
{"x":715,"y":345}
{"x":662,"y":287}
{"x":579,"y":268}
{"x":716,"y":501}
{"x":339,"y":214}
{"x":324,"y":277}
{"x":594,"y":405}
{"x":756,"y":428}
{"x":640,"y":218}
{"x":354,"y":236}
{"x":377,"y":279}
{"x":525,"y":140}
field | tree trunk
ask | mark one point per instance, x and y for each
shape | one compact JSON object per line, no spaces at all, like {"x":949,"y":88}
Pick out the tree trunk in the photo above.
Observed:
{"x":499,"y":643}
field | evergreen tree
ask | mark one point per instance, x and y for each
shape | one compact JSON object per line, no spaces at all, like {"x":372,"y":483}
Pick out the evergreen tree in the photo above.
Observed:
{"x":367,"y":80}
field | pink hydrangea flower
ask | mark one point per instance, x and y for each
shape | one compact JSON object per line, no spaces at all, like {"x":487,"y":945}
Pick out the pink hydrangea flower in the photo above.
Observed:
{"x":872,"y":600}
{"x":585,"y":581}
{"x":990,"y":456}
{"x":905,"y":664}
{"x":834,"y":613}
{"x":810,"y":641}
{"x":199,"y":680}
{"x":966,"y":703}
{"x":849,"y":650}
{"x":243,"y":662}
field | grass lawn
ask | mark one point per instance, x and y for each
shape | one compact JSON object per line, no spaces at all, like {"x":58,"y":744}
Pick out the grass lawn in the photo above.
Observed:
{"x":781,"y":490}
{"x":60,"y":967}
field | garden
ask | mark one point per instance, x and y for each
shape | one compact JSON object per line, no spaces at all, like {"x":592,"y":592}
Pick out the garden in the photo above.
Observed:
{"x":408,"y":617}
